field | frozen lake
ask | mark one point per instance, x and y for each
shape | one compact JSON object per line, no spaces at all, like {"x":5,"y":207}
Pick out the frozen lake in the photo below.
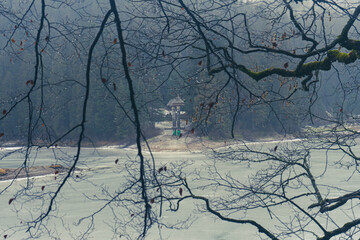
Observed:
{"x":75,"y":201}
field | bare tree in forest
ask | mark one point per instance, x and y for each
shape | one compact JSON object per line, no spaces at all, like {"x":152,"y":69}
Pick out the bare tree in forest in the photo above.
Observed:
{"x":241,"y":64}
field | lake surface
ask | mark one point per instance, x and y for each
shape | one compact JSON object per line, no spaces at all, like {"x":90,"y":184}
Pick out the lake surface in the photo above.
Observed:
{"x":102,"y":173}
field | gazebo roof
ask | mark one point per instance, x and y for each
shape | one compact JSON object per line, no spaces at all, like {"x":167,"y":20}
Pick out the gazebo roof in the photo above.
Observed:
{"x":176,"y":102}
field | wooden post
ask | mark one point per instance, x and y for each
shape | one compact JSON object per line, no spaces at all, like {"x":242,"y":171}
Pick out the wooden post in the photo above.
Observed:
{"x":173,"y":115}
{"x":178,"y":120}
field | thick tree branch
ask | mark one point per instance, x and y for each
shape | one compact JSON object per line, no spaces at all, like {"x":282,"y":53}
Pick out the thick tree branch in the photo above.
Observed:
{"x":147,"y":216}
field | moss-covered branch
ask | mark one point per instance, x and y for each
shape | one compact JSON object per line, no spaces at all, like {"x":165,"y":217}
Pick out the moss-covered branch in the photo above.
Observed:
{"x":305,"y":69}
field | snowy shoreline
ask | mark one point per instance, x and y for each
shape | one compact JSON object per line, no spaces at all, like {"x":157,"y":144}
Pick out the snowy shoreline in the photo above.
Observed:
{"x":187,"y":144}
{"x":164,"y":145}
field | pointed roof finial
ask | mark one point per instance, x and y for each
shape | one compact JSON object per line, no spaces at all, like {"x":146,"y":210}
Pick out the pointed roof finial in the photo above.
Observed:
{"x":176,"y":102}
